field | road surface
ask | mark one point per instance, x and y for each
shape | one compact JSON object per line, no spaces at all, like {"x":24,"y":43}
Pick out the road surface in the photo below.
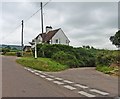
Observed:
{"x":18,"y":81}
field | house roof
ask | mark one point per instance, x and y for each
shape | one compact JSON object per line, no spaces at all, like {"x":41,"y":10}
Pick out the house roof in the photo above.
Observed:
{"x":50,"y":34}
{"x":47,"y":36}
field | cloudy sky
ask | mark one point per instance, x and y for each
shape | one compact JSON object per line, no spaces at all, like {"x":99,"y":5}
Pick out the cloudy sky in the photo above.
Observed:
{"x":85,"y":23}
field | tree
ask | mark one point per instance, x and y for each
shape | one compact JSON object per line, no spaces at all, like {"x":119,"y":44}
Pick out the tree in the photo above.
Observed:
{"x":116,"y":39}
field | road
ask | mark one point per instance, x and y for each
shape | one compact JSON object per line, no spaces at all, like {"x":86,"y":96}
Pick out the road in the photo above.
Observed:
{"x":18,"y":81}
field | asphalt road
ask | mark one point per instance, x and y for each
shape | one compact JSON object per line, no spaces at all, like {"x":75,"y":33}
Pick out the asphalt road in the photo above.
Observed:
{"x":18,"y":81}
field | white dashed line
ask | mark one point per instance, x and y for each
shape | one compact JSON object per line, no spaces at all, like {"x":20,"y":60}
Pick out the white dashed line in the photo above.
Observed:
{"x":69,"y":87}
{"x":35,"y":70}
{"x":58,"y":78}
{"x":50,"y":76}
{"x":86,"y":94}
{"x":32,"y":71}
{"x":29,"y":69}
{"x":81,"y":86}
{"x":100,"y":92}
{"x":37,"y":74}
{"x":49,"y":79}
{"x":67,"y":81}
{"x":42,"y":76}
{"x":57,"y":82}
{"x":39,"y":71}
{"x":25,"y":68}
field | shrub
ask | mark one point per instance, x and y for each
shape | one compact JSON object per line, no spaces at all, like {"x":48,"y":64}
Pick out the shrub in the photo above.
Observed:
{"x":104,"y":58}
{"x":46,"y":50}
{"x":74,"y":57}
{"x":65,"y":58}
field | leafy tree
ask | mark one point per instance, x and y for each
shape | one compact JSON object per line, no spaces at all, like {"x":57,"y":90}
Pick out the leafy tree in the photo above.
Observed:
{"x":116,"y":39}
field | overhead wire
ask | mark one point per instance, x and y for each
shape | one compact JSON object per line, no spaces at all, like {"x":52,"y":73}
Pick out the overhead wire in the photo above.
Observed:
{"x":25,"y":20}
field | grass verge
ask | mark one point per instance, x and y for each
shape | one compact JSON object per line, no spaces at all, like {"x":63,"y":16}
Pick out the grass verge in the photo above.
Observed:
{"x":43,"y":64}
{"x":108,"y":70}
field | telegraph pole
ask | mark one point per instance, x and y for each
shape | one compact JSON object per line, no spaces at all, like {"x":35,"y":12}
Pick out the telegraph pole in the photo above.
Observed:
{"x":42,"y":17}
{"x":22,"y":45}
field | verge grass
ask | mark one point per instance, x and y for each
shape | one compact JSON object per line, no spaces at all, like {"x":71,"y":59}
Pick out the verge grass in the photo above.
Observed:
{"x":43,"y":64}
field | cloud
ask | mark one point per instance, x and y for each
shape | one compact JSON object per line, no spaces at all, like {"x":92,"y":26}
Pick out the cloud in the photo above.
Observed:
{"x":85,"y":23}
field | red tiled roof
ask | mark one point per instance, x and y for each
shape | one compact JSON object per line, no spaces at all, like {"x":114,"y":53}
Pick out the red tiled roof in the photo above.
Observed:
{"x":50,"y":34}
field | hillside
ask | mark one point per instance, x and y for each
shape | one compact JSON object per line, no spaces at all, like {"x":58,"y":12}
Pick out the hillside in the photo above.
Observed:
{"x":11,"y":46}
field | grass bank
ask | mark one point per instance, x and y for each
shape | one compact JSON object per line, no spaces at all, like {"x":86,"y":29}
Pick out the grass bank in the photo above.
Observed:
{"x":43,"y":64}
{"x":108,"y":70}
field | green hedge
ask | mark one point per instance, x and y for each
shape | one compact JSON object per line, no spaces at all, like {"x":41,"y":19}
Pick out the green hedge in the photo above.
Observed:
{"x":65,"y":58}
{"x":73,"y":57}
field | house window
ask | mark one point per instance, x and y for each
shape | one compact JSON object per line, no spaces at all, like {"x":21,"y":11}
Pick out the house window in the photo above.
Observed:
{"x":56,"y":41}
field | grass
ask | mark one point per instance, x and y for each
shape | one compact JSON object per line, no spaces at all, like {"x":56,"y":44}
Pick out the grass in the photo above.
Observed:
{"x":107,"y":69}
{"x":43,"y":64}
{"x":10,"y":54}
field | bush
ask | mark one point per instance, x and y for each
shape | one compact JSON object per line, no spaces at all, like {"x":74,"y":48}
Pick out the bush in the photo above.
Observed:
{"x":104,"y":58}
{"x":65,"y":58}
{"x":5,"y":50}
{"x":74,"y":57}
{"x":46,"y":50}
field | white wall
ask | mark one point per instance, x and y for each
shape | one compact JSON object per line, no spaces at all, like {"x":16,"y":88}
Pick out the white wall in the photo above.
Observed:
{"x":62,"y":39}
{"x":39,"y":40}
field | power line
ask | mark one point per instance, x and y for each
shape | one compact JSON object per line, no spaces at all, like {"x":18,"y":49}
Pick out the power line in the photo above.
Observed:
{"x":37,"y":11}
{"x":26,"y":19}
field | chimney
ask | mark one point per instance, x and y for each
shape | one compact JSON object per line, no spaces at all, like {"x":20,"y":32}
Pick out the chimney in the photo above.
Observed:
{"x":48,"y":28}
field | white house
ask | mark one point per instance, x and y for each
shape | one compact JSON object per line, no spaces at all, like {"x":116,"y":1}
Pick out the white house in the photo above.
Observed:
{"x":51,"y":36}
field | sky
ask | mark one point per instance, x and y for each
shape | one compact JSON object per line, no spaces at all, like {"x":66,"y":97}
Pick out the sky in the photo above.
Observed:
{"x":84,"y":23}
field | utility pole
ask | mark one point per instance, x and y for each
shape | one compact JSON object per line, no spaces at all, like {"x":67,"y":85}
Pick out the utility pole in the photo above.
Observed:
{"x":42,"y":18}
{"x":22,"y":39}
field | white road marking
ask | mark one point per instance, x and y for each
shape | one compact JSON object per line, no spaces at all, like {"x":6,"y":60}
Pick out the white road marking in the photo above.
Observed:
{"x":81,"y":86}
{"x":39,"y":71}
{"x":36,"y":74}
{"x":25,"y":68}
{"x":28,"y":69}
{"x":42,"y":76}
{"x":100,"y":92}
{"x":58,"y":78}
{"x":32,"y":71}
{"x":57,"y":82}
{"x":67,"y":81}
{"x":35,"y":70}
{"x":50,"y":76}
{"x":86,"y":94}
{"x":49,"y":79}
{"x":69,"y":87}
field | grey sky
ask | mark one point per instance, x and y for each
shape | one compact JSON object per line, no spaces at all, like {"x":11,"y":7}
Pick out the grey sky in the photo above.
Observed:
{"x":85,"y":23}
